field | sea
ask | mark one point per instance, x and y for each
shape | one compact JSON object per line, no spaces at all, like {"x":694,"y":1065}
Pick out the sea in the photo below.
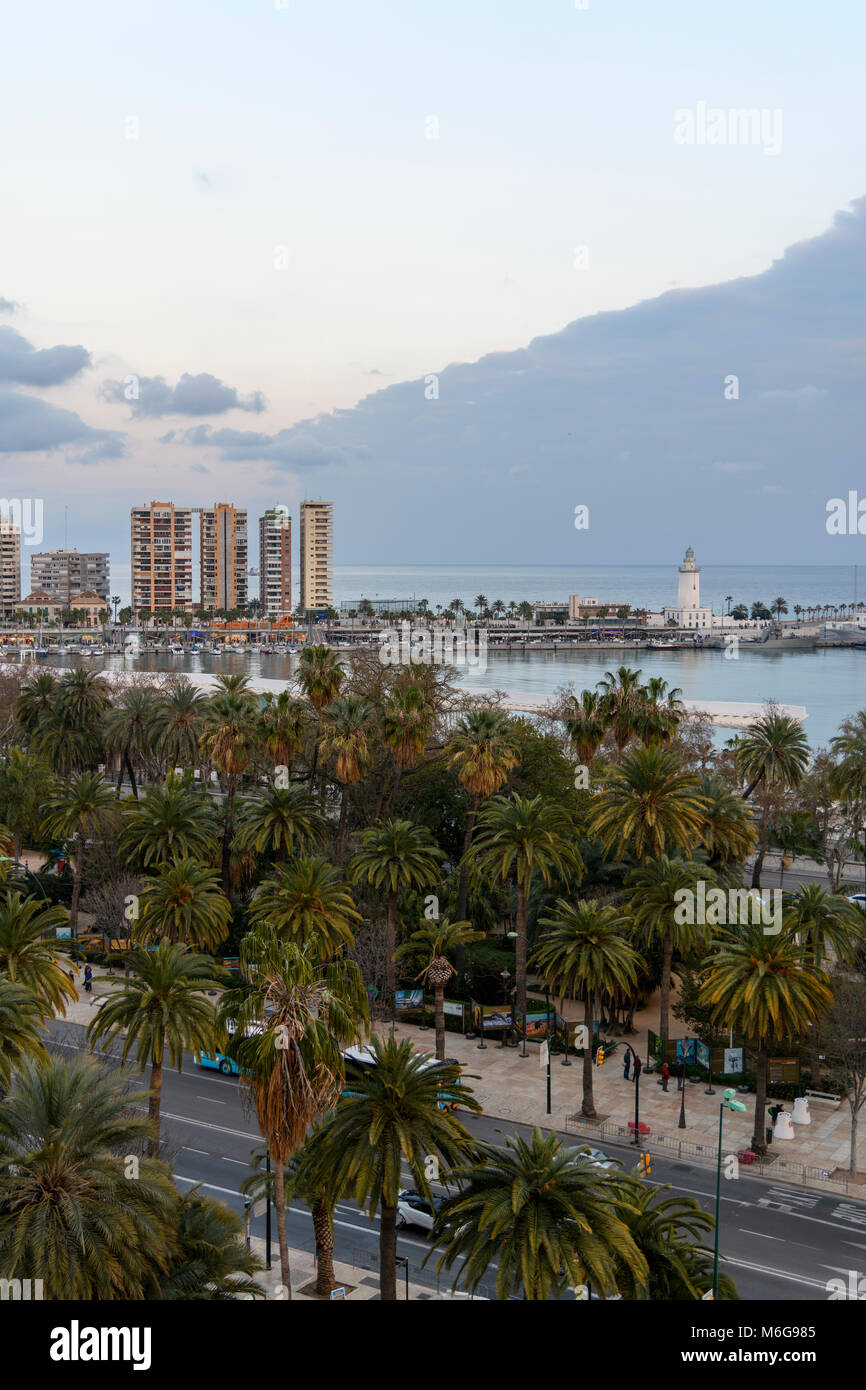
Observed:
{"x":831,"y":684}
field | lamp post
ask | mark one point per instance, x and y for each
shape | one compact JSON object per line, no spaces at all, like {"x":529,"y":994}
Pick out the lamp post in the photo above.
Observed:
{"x":681,"y":1122}
{"x":729,"y":1102}
{"x":547,"y":1008}
{"x":629,"y":1048}
{"x":505,"y":976}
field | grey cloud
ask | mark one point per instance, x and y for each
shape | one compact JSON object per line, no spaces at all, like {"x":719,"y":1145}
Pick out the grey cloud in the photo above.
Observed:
{"x":28,"y":424}
{"x":8,"y":306}
{"x":25,"y":365}
{"x":202,"y":394}
{"x":286,"y":449}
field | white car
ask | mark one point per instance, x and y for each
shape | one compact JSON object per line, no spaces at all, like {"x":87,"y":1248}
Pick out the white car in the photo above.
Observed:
{"x":597,"y":1158}
{"x":859,"y":899}
{"x":415,"y":1210}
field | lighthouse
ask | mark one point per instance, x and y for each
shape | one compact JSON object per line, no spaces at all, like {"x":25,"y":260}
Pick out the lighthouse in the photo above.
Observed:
{"x":688,"y":612}
{"x":689,"y":594}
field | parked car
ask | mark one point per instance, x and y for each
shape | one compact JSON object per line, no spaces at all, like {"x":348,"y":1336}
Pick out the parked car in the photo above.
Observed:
{"x":598,"y":1158}
{"x":415,"y":1210}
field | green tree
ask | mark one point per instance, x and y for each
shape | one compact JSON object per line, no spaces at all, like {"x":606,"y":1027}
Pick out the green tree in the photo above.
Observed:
{"x":77,"y":812}
{"x":29,"y":952}
{"x":483,"y":751}
{"x":128,"y":732}
{"x":391,"y":1118}
{"x":433,"y":943}
{"x":168,"y":823}
{"x":211,"y":1263}
{"x":320,"y":675}
{"x":658,"y":887}
{"x":586,"y":951}
{"x":22,"y":1020}
{"x":347,"y":735}
{"x":586,"y":723}
{"x":307,"y":900}
{"x":280,"y":822}
{"x":68,"y":1210}
{"x":519,"y":837}
{"x":160,"y":1007}
{"x":668,"y":1232}
{"x":229,"y":737}
{"x":394,"y":856}
{"x":184,"y":904}
{"x":178,"y":719}
{"x":25,"y":784}
{"x":544,"y":1215}
{"x":648,"y":805}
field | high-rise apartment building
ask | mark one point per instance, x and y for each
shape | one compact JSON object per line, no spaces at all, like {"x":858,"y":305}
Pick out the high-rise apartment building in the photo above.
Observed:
{"x":315,"y":542}
{"x":62,"y":573}
{"x":275,"y":562}
{"x":161,"y":556}
{"x":223,"y":556}
{"x":10,"y":566}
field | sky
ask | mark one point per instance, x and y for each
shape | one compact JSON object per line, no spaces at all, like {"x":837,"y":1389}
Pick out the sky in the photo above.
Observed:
{"x":225,"y":225}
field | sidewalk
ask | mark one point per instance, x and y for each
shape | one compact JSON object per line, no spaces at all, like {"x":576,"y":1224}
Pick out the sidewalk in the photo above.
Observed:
{"x":515,"y":1089}
{"x":360,"y":1281}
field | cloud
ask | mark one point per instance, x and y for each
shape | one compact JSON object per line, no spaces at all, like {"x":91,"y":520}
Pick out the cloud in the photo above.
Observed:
{"x":287,"y":449}
{"x":25,"y":365}
{"x":28,"y":424}
{"x":8,"y":306}
{"x":202,"y":394}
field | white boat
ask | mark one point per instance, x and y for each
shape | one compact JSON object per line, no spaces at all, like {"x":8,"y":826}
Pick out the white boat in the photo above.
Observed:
{"x":177,"y":649}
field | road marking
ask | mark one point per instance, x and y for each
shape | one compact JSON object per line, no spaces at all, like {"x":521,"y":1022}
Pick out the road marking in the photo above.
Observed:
{"x":763,"y":1235}
{"x":211,"y":1100}
{"x":241,"y":1162}
{"x":187,"y":1149}
{"x":776,"y":1273}
{"x":250,"y":1134}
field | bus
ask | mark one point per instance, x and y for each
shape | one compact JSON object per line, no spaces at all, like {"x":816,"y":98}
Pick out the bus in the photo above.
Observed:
{"x":361,"y":1059}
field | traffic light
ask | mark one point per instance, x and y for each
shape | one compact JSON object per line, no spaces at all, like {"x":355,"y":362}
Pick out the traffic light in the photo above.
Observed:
{"x":599,"y":1057}
{"x":645,"y":1166}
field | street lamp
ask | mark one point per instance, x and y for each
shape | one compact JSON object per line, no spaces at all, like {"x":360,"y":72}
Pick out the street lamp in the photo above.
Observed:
{"x":635,"y":1059}
{"x":681,"y":1080}
{"x":728,"y":1102}
{"x":547,"y":1009}
{"x":505,"y":976}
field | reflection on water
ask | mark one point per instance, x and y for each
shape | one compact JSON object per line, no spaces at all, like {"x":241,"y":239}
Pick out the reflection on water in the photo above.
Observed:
{"x":830,"y":683}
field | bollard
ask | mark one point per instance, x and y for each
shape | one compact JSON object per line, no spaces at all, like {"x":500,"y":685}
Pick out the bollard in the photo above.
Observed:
{"x":784,"y":1126}
{"x":801,"y":1111}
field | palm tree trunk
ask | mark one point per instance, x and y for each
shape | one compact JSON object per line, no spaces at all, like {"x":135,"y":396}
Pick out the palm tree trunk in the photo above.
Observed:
{"x":323,"y":1227}
{"x":388,"y":1254}
{"x":154,"y":1105}
{"x":341,"y":829}
{"x":463,"y":889}
{"x":280,"y":1209}
{"x":665,"y":995}
{"x":227,"y":835}
{"x":852,"y":1162}
{"x":520,"y":951}
{"x":439,"y":995}
{"x":76,"y":885}
{"x":132,"y":781}
{"x":390,"y":948}
{"x":759,"y":858}
{"x":751,"y":787}
{"x":588,"y":1104}
{"x":759,"y":1142}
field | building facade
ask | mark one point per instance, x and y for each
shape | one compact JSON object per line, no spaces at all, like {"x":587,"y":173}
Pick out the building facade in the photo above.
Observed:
{"x":161,"y":557}
{"x":91,"y":605}
{"x":62,"y":573}
{"x":10,"y":566}
{"x":315,"y":542}
{"x":223,"y":556}
{"x":275,"y":562}
{"x":688,"y":612}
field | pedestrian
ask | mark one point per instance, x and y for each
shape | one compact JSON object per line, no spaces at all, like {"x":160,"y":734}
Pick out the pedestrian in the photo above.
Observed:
{"x":625,"y":1066}
{"x":638,"y":1067}
{"x":666,"y":1075}
{"x":88,"y":979}
{"x":775,"y":1112}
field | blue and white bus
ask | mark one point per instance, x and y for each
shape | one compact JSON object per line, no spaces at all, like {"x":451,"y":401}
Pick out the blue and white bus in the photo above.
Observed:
{"x":361,"y":1059}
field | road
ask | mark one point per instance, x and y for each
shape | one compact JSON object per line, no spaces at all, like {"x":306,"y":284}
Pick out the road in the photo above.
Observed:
{"x":777,"y":1242}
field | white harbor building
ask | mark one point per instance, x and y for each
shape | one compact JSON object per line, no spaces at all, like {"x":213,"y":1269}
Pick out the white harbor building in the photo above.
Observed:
{"x":688,"y":612}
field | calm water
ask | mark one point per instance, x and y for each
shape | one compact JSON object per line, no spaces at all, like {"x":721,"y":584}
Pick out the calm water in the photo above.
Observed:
{"x":830,"y":683}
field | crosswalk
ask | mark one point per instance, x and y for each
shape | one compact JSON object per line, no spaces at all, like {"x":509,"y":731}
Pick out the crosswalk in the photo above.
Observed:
{"x":789,"y":1199}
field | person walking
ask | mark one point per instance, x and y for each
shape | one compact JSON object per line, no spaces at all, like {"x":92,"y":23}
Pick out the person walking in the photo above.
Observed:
{"x":88,"y":979}
{"x":638,"y":1067}
{"x":666,"y":1075}
{"x":626,"y":1065}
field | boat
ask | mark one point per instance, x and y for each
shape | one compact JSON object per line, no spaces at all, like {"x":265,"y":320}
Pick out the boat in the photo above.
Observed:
{"x":177,"y":649}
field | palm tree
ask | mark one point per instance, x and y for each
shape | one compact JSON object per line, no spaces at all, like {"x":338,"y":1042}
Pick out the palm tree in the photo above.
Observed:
{"x":25,"y":784}
{"x":519,"y":838}
{"x":621,"y":698}
{"x":585,"y":951}
{"x":183,"y":903}
{"x":586,"y":723}
{"x":668,"y":1232}
{"x":773,"y":751}
{"x":22,"y":1021}
{"x":280,"y":822}
{"x":348,"y":728}
{"x":822,"y":923}
{"x":658,"y":886}
{"x":779,"y":606}
{"x":177,"y":723}
{"x":407,"y":720}
{"x":282,"y":727}
{"x":211,"y":1263}
{"x":393,"y":1117}
{"x":77,"y":812}
{"x":67,"y":1206}
{"x":320,"y":676}
{"x":648,"y":805}
{"x":168,"y":823}
{"x":29,"y":950}
{"x":228,"y":737}
{"x":849,"y":746}
{"x":38,"y":697}
{"x":292,"y":1016}
{"x":307,"y":899}
{"x":160,"y":1006}
{"x":761,"y":986}
{"x":728,"y":831}
{"x":483,"y":751}
{"x":481,"y":603}
{"x":433,"y":942}
{"x":544,"y":1215}
{"x":395,"y":855}
{"x":128,"y":732}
